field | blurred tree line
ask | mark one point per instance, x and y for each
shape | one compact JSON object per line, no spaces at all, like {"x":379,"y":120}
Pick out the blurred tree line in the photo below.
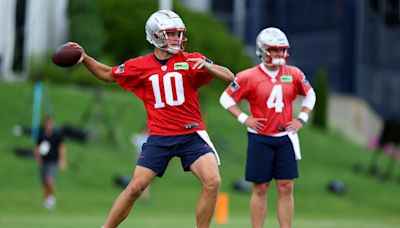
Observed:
{"x":113,"y":32}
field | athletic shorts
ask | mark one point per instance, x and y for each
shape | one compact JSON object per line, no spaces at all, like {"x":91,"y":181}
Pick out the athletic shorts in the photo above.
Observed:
{"x":48,"y":169}
{"x":159,"y":150}
{"x":270,"y":158}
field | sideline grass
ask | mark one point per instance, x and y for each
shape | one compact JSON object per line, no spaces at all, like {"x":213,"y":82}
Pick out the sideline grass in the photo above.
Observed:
{"x":159,"y":220}
{"x":85,"y":194}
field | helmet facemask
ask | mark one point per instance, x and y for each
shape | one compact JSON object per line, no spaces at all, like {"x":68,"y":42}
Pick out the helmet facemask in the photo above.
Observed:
{"x":158,"y":27}
{"x":268,"y":40}
{"x":265,"y":55}
{"x":171,"y":44}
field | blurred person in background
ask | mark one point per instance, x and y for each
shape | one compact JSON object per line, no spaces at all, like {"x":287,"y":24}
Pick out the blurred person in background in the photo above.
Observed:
{"x":167,"y":81}
{"x":273,"y":145}
{"x":50,"y":154}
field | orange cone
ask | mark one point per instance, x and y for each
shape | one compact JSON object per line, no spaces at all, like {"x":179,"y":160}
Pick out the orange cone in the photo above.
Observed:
{"x":222,"y":209}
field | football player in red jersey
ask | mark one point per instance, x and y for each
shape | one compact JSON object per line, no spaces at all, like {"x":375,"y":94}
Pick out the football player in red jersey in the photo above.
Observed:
{"x":273,"y":148}
{"x":167,"y":81}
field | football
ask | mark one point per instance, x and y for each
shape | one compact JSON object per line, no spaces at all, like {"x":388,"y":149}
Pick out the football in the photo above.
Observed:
{"x":66,"y":56}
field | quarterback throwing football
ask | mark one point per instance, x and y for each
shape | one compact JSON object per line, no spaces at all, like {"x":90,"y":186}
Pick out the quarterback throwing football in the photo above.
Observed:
{"x":167,"y":81}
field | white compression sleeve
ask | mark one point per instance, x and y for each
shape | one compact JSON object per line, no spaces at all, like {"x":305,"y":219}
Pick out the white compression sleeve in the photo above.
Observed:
{"x":309,"y":100}
{"x":226,"y":101}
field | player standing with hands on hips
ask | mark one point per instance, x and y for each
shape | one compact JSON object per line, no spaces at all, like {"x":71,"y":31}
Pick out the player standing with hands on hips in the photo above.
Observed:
{"x":167,"y":81}
{"x":273,"y":146}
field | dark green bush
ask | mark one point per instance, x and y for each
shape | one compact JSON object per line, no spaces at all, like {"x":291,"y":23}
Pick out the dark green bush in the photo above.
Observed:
{"x":320,"y":113}
{"x":206,"y":35}
{"x":86,"y":26}
{"x":116,"y":29}
{"x":124,"y":22}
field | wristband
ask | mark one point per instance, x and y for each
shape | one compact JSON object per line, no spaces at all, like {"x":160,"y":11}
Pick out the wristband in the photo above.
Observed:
{"x":242,"y":117}
{"x":303,"y":117}
{"x":208,"y":62}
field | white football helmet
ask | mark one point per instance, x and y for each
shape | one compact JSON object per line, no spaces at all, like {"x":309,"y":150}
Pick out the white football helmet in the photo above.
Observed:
{"x":270,"y":38}
{"x":157,"y":27}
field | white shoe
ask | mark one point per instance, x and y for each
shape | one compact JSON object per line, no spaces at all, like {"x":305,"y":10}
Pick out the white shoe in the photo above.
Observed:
{"x":50,"y":202}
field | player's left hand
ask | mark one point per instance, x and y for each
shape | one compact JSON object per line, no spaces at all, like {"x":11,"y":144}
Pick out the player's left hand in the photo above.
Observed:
{"x":255,"y":123}
{"x":83,"y":56}
{"x":199,"y":63}
{"x":294,"y":125}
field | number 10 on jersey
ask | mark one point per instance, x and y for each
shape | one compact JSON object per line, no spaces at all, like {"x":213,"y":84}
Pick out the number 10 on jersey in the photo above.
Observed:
{"x":167,"y":81}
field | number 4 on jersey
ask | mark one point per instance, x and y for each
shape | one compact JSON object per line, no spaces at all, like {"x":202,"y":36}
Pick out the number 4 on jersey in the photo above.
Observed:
{"x":275,"y":99}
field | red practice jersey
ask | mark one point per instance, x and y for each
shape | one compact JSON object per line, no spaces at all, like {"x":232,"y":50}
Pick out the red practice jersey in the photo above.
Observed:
{"x":169,"y":92}
{"x":268,"y":97}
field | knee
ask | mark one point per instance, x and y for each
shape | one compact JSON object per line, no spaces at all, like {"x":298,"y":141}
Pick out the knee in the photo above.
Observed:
{"x":285,"y":187}
{"x":49,"y":180}
{"x":213,"y":184}
{"x":134,"y":190}
{"x":260,"y":189}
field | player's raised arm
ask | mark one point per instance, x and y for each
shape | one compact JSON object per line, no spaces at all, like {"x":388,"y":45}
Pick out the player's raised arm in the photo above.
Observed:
{"x":99,"y":70}
{"x":220,"y":72}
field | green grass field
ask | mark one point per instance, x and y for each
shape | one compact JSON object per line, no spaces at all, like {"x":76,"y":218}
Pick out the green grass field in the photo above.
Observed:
{"x":85,"y":192}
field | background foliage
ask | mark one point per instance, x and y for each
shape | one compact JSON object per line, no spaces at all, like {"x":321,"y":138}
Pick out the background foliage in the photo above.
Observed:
{"x":320,"y":112}
{"x":113,"y":31}
{"x":87,"y":27}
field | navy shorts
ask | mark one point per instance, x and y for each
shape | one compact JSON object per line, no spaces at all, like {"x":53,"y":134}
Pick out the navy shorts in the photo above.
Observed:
{"x":48,"y":169}
{"x":159,"y":150}
{"x":270,"y":157}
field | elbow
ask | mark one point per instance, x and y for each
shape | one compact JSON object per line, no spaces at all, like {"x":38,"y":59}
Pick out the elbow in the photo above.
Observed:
{"x":231,"y":77}
{"x":228,"y":77}
{"x":107,"y":77}
{"x":104,"y":79}
{"x":221,"y":99}
{"x":309,"y":100}
{"x":226,"y":101}
{"x":109,"y":80}
{"x":223,"y":74}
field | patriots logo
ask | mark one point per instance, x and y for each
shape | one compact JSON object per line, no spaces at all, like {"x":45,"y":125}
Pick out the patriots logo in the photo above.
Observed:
{"x":304,"y":81}
{"x":234,"y":86}
{"x":120,"y":69}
